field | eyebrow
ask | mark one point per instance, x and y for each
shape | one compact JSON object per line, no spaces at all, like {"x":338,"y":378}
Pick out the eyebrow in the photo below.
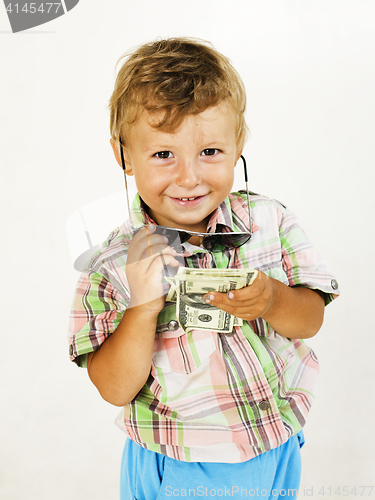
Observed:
{"x":165,"y":147}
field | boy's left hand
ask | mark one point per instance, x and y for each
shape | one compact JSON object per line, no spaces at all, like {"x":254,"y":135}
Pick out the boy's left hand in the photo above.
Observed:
{"x":248,"y":303}
{"x":292,"y":311}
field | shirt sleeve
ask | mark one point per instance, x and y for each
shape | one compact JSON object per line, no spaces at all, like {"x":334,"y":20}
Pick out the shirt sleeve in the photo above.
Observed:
{"x":301,"y":262}
{"x":96,"y":312}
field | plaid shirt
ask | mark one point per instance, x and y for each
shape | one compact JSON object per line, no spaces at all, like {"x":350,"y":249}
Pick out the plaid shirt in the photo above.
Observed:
{"x":212,"y":397}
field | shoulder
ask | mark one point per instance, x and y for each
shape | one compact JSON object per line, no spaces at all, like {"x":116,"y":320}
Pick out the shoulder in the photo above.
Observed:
{"x":262,"y":207}
{"x":113,"y":251}
{"x":266,"y":212}
{"x":256,"y":200}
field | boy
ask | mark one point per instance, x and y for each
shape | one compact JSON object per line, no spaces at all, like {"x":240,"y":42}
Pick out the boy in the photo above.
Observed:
{"x":207,"y":413}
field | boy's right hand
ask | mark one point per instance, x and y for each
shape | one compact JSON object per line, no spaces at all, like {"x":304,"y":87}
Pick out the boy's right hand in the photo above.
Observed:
{"x":148,"y":253}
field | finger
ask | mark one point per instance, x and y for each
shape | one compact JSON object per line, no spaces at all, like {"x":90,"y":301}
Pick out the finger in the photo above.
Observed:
{"x":233,"y":298}
{"x":144,"y":243}
{"x":147,"y":276}
{"x":222,"y":301}
{"x":147,"y":236}
{"x":245,"y":311}
{"x":160,"y":261}
{"x":157,"y":250}
{"x":141,"y":233}
{"x":247,"y":293}
{"x":147,"y":244}
{"x":154,"y":239}
{"x":163,"y":252}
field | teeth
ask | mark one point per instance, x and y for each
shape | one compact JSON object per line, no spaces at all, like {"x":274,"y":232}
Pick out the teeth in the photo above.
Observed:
{"x":186,"y":199}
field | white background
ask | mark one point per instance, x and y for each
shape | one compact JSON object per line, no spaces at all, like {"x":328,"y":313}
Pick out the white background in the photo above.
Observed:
{"x":308,"y":67}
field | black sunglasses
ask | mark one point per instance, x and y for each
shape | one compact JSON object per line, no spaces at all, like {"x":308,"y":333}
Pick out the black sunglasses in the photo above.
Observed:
{"x":176,"y":237}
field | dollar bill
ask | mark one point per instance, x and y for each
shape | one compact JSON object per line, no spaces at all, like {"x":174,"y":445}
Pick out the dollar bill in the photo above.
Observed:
{"x":189,"y":286}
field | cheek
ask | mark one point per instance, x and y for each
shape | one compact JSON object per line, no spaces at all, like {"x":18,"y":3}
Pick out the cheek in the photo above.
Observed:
{"x":222,"y":179}
{"x":150,"y":186}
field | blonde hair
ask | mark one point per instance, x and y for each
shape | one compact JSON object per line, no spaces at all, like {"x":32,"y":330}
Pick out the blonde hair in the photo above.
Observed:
{"x":178,"y":77}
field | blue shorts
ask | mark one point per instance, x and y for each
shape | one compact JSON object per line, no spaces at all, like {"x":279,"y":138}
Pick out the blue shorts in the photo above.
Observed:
{"x":276,"y":474}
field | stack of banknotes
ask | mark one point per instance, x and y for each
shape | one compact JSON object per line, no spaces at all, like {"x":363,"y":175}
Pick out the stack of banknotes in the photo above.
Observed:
{"x":189,"y":286}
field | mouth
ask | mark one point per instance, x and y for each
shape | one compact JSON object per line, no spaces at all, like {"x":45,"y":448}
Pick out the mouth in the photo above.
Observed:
{"x":189,"y":202}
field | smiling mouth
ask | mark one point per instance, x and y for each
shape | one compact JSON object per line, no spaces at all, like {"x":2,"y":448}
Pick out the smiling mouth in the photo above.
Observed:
{"x":189,"y":199}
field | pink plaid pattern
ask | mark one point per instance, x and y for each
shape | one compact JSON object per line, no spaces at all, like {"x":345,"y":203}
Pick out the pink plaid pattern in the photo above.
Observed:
{"x":212,"y":397}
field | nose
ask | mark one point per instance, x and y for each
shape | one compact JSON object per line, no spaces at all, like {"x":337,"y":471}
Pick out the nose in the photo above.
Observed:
{"x":188,"y":174}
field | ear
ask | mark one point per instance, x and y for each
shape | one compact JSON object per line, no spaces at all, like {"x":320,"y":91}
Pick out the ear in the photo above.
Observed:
{"x":116,"y":151}
{"x":238,"y":155}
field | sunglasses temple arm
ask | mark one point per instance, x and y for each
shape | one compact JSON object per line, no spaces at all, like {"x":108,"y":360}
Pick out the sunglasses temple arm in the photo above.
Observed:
{"x":165,"y":266}
{"x":247,"y":192}
{"x":126,"y":183}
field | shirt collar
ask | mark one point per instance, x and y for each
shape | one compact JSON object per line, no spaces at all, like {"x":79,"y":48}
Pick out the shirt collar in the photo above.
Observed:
{"x":139,"y":215}
{"x":222,"y":215}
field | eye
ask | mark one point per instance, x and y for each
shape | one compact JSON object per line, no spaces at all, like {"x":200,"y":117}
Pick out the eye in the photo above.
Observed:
{"x":210,"y":152}
{"x":163,"y":155}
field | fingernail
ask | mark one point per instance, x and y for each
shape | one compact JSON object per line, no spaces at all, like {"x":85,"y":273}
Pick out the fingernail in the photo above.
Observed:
{"x":151,"y":226}
{"x":206,"y":299}
{"x":230,"y":295}
{"x":165,"y":239}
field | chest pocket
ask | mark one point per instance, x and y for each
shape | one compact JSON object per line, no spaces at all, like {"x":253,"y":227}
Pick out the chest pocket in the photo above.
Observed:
{"x":178,"y":351}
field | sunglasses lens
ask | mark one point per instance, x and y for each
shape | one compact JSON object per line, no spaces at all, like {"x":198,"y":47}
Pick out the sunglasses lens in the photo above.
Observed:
{"x":175,"y":237}
{"x":235,"y":240}
{"x":228,"y":240}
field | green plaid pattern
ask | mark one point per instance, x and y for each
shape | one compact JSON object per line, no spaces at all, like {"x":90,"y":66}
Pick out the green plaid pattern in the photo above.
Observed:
{"x":212,"y":397}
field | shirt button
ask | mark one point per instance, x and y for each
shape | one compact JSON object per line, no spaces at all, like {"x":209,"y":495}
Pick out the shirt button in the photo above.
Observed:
{"x":264,"y":405}
{"x":173,"y":325}
{"x":334,"y":284}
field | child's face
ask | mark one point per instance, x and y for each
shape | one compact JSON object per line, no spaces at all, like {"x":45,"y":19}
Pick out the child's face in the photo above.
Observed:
{"x":196,"y":162}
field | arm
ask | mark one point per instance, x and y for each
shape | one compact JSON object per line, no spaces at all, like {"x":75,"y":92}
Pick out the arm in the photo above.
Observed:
{"x":121,"y":366}
{"x":293,"y":312}
{"x":296,"y":312}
